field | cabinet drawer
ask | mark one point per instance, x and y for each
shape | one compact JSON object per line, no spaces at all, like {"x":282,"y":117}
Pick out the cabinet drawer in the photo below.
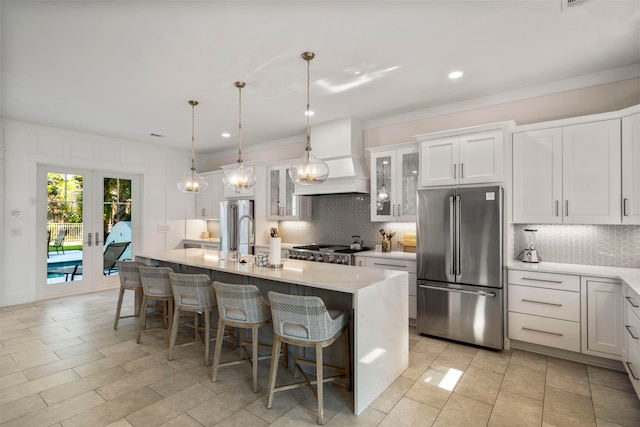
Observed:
{"x":632,"y":365}
{"x":632,"y":302}
{"x":392,"y":264}
{"x":552,"y":303}
{"x":545,"y":331}
{"x":563,"y":282}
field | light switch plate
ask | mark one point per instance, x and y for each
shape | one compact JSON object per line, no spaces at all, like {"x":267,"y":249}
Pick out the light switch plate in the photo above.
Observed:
{"x":163,"y":228}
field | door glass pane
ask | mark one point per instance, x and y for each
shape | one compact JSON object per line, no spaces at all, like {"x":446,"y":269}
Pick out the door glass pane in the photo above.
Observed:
{"x":274,"y":191}
{"x":116,"y":212}
{"x":64,"y":227}
{"x":409,"y":183}
{"x":291,"y":197}
{"x":383,"y":185}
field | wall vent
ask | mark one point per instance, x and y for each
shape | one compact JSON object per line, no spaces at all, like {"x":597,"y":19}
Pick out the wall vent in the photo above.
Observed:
{"x":566,"y":4}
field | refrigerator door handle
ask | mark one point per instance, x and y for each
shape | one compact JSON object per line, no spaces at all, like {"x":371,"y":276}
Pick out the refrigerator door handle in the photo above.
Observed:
{"x":458,"y":272}
{"x":461,"y":291}
{"x":452,"y":236}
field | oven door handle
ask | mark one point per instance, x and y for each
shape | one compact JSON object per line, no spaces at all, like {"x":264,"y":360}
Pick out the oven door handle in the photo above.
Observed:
{"x":460,"y":291}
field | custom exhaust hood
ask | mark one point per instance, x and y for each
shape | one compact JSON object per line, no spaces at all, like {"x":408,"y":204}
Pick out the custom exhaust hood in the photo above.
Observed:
{"x":340,"y":144}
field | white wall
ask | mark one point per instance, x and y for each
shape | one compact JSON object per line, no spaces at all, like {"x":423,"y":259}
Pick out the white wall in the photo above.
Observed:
{"x":27,"y":145}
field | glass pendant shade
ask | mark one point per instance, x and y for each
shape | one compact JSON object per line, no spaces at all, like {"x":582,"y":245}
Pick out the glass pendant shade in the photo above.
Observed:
{"x":309,"y":170}
{"x":192,"y":182}
{"x":383,"y":194}
{"x":239,"y":178}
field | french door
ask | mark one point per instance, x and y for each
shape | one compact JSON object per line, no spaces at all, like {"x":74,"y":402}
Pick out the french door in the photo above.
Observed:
{"x":86,"y":220}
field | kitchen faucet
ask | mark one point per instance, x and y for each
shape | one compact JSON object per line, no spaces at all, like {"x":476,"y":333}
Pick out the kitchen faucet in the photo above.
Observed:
{"x":252,"y":238}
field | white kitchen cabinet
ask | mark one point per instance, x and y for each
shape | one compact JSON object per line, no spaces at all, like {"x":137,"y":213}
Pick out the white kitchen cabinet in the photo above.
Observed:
{"x":568,"y":174}
{"x":537,"y":176}
{"x":631,"y":169}
{"x":602,"y":317}
{"x":591,"y":169}
{"x":208,"y":202}
{"x":462,"y":159}
{"x":631,"y":341}
{"x":544,"y":309}
{"x":282,"y":203}
{"x":394,"y":180}
{"x":389,"y":263}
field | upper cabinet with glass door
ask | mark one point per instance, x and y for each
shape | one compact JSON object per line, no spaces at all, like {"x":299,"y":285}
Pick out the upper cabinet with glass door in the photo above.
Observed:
{"x":282,"y":203}
{"x":394,"y":180}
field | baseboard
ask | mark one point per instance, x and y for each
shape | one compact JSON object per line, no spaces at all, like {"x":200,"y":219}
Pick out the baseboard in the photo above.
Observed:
{"x":568,"y":355}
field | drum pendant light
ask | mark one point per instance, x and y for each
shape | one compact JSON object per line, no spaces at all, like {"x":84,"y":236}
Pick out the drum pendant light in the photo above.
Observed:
{"x":192,"y":182}
{"x":239,"y":178}
{"x":308,"y":169}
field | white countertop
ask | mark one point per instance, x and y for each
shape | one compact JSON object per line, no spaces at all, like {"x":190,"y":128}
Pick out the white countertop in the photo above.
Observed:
{"x":342,"y":278}
{"x":630,"y":276}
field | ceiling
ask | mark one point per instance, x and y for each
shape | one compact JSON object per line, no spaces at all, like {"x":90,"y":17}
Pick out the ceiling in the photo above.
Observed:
{"x":126,"y":69}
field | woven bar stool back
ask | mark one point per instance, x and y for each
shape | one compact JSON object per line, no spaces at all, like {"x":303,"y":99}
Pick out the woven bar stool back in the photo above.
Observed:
{"x":129,"y":280}
{"x":240,"y":306}
{"x":156,"y":286}
{"x":192,"y":293}
{"x":305,"y":321}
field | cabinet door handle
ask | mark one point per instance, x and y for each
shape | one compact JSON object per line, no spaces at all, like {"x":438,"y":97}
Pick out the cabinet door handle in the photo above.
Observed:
{"x":566,"y":208}
{"x":399,"y":210}
{"x":542,"y":280}
{"x":542,"y":302}
{"x":203,"y":212}
{"x":390,"y":265}
{"x":631,"y":371}
{"x":628,"y":299}
{"x":557,"y":208}
{"x":394,"y":210}
{"x":542,"y":332}
{"x":624,"y":207}
{"x":455,"y":175}
{"x":631,"y":333}
{"x":461,"y":170}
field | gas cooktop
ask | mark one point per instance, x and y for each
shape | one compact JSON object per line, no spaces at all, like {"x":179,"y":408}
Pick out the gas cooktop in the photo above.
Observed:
{"x":341,"y":249}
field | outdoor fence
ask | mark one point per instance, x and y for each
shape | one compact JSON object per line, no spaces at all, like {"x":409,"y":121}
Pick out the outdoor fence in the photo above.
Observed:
{"x":74,"y":231}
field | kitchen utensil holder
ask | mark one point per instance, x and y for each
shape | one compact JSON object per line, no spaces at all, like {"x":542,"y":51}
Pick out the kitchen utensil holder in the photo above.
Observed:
{"x":386,"y":246}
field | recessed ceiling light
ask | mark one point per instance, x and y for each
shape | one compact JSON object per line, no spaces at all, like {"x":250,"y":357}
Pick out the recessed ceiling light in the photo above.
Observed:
{"x":226,"y":135}
{"x":455,"y":75}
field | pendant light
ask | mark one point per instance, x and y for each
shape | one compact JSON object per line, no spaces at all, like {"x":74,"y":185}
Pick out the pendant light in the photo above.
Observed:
{"x":192,"y":182}
{"x":308,"y":169}
{"x":240,"y":178}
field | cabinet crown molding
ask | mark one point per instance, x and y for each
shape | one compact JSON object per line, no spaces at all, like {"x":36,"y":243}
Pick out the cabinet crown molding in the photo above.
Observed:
{"x":503,"y":126}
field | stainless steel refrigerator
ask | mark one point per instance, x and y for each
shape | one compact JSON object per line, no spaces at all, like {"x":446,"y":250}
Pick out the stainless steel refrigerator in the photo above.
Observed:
{"x":459,"y":264}
{"x":235,"y":227}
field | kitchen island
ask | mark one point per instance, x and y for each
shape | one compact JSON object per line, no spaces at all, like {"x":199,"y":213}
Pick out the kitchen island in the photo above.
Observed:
{"x":375,"y":299}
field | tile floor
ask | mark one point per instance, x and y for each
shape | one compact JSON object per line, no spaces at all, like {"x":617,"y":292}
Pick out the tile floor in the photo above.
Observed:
{"x":63,"y":364}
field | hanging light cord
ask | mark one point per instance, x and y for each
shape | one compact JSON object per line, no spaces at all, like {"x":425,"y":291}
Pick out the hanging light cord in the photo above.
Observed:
{"x":239,"y":85}
{"x":308,"y":56}
{"x":193,"y":133}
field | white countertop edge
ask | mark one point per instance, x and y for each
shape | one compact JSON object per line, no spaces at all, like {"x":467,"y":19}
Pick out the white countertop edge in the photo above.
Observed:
{"x":342,"y":278}
{"x":630,"y":276}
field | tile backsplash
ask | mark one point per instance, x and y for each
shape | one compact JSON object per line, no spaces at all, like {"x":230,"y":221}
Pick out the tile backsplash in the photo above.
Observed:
{"x":335,"y":218}
{"x":607,"y":245}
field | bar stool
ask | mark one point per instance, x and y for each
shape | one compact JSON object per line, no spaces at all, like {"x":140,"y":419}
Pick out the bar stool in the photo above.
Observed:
{"x":156,"y":286}
{"x":240,"y":306}
{"x":305,"y":321}
{"x":129,"y":281}
{"x":193,"y":293}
